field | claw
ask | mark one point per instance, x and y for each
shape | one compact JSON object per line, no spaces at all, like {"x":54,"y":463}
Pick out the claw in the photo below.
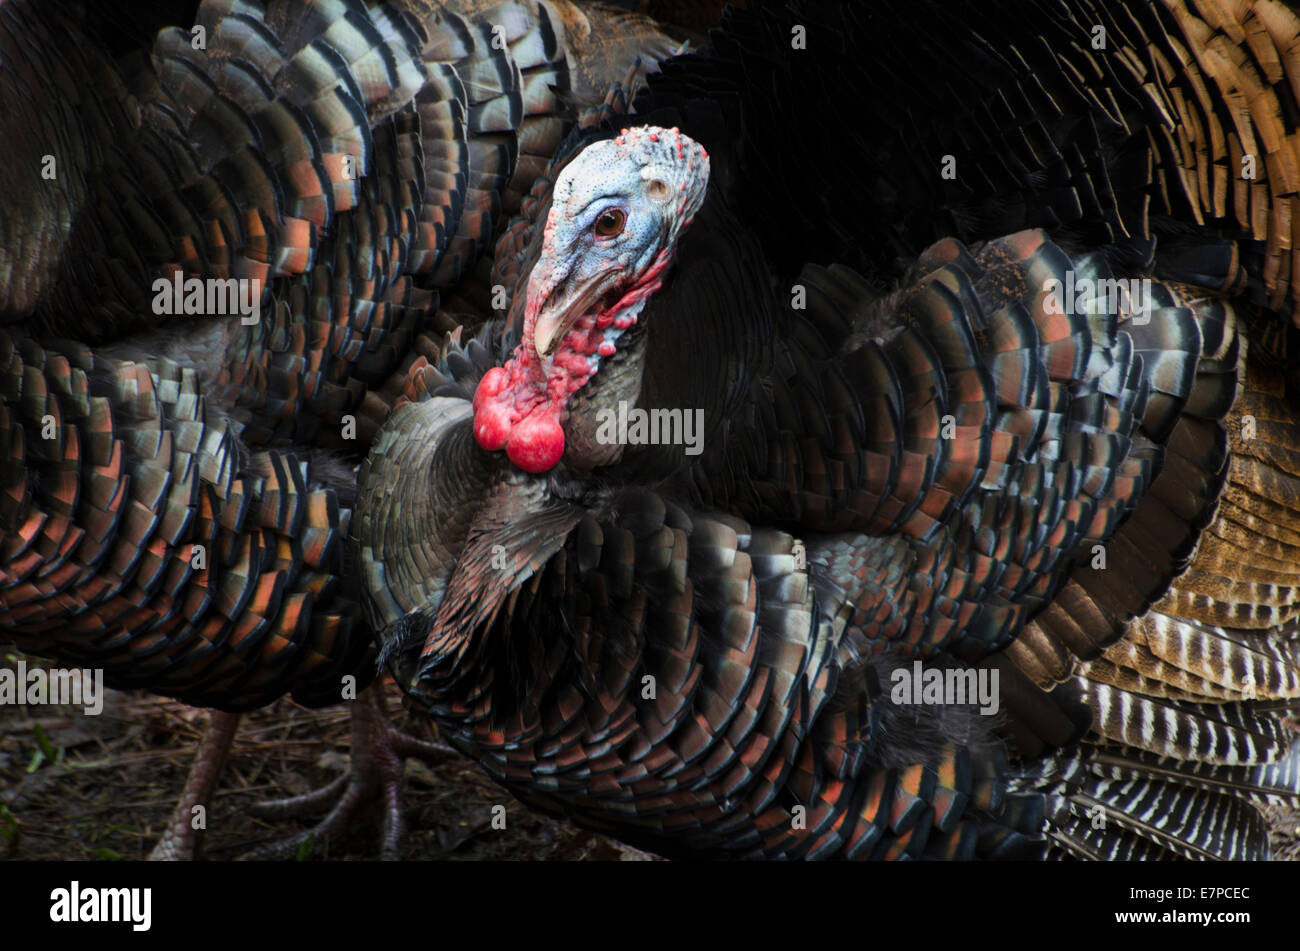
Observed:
{"x":379,"y":751}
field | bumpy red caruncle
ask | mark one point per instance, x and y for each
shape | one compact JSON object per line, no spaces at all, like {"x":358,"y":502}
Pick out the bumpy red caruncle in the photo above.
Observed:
{"x":520,"y":406}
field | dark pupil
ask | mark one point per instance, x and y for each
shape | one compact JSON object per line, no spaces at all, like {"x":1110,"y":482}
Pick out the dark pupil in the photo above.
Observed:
{"x":609,"y":222}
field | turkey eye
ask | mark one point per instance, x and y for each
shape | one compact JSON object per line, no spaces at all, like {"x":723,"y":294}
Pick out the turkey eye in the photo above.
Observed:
{"x":610,"y":222}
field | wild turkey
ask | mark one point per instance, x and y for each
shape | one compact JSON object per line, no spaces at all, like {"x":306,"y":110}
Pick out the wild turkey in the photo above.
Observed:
{"x":960,"y":468}
{"x":1095,"y":430}
{"x":169,"y":514}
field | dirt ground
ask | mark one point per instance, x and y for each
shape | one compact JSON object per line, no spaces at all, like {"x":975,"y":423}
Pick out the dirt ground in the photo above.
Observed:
{"x":101,"y":788}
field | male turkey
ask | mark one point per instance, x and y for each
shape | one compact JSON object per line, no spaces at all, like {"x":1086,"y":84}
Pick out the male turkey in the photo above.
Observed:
{"x":169,"y":514}
{"x":957,"y":472}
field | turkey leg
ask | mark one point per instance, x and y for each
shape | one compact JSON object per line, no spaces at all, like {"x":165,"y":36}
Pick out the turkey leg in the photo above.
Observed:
{"x":180,"y":839}
{"x":378,"y":753}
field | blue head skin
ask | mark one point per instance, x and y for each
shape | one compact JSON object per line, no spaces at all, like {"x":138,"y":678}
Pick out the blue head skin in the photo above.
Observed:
{"x":617,"y":211}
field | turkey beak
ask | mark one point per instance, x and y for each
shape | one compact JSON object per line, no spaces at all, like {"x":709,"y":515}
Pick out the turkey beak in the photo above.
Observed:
{"x":559,"y":312}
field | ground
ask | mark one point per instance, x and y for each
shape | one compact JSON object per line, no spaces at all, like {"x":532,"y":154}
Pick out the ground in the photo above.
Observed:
{"x":81,"y":787}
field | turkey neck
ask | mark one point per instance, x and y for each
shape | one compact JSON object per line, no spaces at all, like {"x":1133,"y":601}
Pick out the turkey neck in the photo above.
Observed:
{"x":619,"y":381}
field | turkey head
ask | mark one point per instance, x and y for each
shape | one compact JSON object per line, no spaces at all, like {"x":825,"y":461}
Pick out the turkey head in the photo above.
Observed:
{"x":617,"y":211}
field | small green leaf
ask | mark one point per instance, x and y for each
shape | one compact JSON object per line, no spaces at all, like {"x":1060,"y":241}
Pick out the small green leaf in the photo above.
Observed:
{"x":120,"y":827}
{"x":44,"y":742}
{"x":88,"y":764}
{"x":306,"y":848}
{"x":9,"y":827}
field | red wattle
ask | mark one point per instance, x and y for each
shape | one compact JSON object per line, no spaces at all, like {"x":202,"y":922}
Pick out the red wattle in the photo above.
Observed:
{"x":492,"y":383}
{"x":491,"y":423}
{"x":536,"y":443}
